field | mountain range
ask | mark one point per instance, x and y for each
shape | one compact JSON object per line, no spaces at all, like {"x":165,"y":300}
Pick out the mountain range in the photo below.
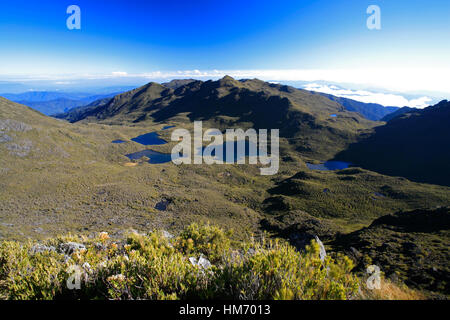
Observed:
{"x":414,"y":145}
{"x":303,"y":118}
{"x":371,"y":111}
{"x":61,"y":176}
{"x":52,"y":103}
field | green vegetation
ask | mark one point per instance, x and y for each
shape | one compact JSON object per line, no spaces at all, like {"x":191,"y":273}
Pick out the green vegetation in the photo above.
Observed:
{"x":154,"y":266}
{"x":58,"y":177}
{"x":414,"y":145}
{"x":302,"y":117}
{"x":409,"y":246}
{"x":354,"y":194}
{"x":371,"y":111}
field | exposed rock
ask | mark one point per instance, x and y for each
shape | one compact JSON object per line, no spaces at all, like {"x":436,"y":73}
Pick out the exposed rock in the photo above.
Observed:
{"x":5,"y":138}
{"x":167,"y":234}
{"x":13,"y":125}
{"x":193,"y":261}
{"x":203,"y":263}
{"x":70,"y":247}
{"x":20,"y":149}
{"x":38,"y":248}
{"x":322,"y":253}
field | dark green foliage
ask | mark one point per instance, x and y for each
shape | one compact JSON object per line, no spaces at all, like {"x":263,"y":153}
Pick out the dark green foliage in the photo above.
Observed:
{"x":414,"y":145}
{"x":410,"y":246}
{"x":397,"y":113}
{"x":155,"y":267}
{"x":371,"y":111}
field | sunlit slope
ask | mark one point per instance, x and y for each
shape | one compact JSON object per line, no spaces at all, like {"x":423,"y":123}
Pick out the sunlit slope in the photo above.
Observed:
{"x":311,"y":124}
{"x":58,"y":177}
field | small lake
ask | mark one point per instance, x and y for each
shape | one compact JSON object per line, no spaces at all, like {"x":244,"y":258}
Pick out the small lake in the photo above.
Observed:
{"x":168,"y":127}
{"x":158,"y":157}
{"x":149,"y":139}
{"x":118,"y":141}
{"x":333,"y":115}
{"x":249,"y":151}
{"x":162,"y":205}
{"x":154,"y":156}
{"x":329,"y":165}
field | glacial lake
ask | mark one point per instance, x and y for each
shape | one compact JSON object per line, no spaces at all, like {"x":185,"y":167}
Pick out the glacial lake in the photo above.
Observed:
{"x":249,"y":151}
{"x":158,"y":157}
{"x":168,"y":127}
{"x":329,"y":165}
{"x":154,"y":156}
{"x":149,"y":139}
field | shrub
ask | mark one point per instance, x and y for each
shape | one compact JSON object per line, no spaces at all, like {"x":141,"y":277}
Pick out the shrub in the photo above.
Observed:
{"x":278,"y":271}
{"x":154,"y":267}
{"x":207,"y":240}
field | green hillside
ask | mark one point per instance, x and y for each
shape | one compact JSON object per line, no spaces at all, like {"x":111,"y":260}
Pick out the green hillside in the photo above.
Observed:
{"x":371,"y":111}
{"x":304,"y":119}
{"x":413,"y":145}
{"x":59,"y":177}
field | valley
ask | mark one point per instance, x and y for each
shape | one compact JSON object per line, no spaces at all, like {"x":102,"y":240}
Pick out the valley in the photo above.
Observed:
{"x":91,"y":174}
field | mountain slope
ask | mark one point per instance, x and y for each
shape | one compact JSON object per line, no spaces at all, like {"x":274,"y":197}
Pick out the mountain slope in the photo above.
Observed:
{"x":52,"y":107}
{"x":397,"y":113}
{"x":302,"y":117}
{"x":371,"y":111}
{"x":412,"y":246}
{"x":414,"y":145}
{"x":74,"y":113}
{"x":52,"y":103}
{"x":57,"y":177}
{"x":175,"y":84}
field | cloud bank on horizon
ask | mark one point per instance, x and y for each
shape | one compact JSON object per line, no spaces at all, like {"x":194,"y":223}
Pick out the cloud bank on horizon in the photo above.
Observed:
{"x":374,"y":82}
{"x":125,"y":42}
{"x":385,"y":99}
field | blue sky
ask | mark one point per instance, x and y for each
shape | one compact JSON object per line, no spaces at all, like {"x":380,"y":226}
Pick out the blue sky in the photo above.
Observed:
{"x":277,"y":40}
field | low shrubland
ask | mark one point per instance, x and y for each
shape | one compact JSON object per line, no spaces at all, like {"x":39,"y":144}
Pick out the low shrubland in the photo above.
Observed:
{"x":201,"y":263}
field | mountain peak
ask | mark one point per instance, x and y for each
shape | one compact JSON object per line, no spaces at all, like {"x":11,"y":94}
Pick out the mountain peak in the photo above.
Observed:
{"x":227,"y":78}
{"x":228,"y":81}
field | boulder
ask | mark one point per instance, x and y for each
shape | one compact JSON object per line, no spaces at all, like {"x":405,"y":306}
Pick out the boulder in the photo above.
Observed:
{"x":71,"y":247}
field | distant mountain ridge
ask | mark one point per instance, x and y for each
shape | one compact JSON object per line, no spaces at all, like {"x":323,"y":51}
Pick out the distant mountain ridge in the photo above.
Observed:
{"x":397,"y":113}
{"x":73,"y":114}
{"x":301,"y":116}
{"x":414,"y":145}
{"x":371,"y":111}
{"x":52,"y":103}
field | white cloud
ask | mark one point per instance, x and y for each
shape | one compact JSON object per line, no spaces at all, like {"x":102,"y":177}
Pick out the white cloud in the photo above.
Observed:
{"x":385,"y":99}
{"x":398,"y":80}
{"x":119,"y":73}
{"x":63,"y":82}
{"x":393,"y":79}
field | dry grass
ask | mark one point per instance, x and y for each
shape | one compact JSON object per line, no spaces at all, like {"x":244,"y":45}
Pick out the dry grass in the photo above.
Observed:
{"x":131,"y":164}
{"x":391,"y":291}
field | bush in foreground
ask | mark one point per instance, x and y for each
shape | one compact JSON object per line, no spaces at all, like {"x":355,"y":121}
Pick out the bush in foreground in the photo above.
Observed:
{"x":156,"y":266}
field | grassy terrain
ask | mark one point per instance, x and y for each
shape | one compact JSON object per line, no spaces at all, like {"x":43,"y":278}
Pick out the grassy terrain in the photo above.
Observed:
{"x":355,"y":194}
{"x":408,"y":246}
{"x":160,"y":266}
{"x":413,"y":145}
{"x":57,"y":177}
